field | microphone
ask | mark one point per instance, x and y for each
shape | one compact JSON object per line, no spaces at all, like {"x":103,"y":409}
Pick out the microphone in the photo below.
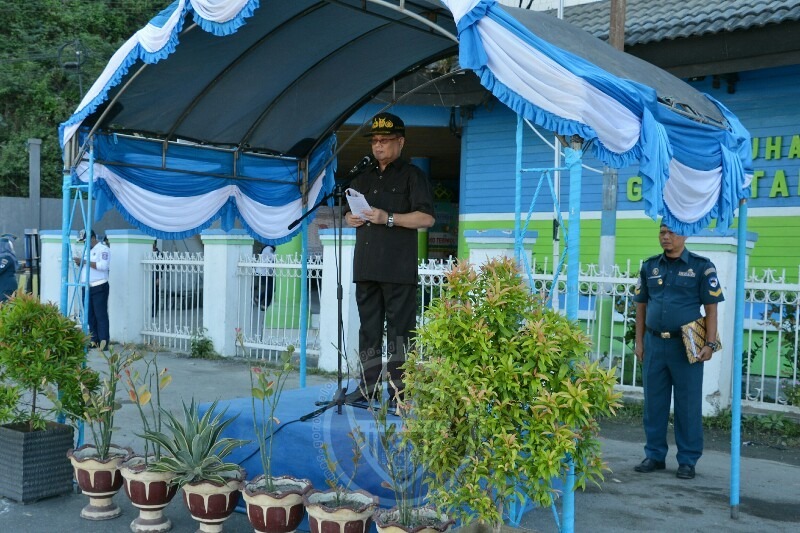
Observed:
{"x":361,"y":165}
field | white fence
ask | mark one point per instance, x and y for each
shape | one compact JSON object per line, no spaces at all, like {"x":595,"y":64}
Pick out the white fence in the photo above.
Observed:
{"x":269,"y":317}
{"x":270,"y":310}
{"x":172,"y":283}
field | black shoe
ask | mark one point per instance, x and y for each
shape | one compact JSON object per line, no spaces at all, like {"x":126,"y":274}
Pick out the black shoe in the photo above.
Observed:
{"x":685,"y":472}
{"x":649,"y":465}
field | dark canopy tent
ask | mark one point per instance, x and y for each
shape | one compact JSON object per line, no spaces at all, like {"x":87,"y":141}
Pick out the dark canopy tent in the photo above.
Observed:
{"x":230,"y":107}
{"x":256,"y":90}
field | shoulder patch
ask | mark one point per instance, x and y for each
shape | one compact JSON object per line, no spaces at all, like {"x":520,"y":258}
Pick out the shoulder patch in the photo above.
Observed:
{"x":714,"y":288}
{"x":710,"y":271}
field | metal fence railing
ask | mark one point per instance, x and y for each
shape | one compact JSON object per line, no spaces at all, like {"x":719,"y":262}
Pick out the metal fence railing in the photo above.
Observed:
{"x":772,"y":322}
{"x":270,"y":297}
{"x":172,"y":284}
{"x":269,"y":315}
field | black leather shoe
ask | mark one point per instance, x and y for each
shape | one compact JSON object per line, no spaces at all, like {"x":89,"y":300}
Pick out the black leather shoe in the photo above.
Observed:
{"x":650,"y":465}
{"x":685,"y":472}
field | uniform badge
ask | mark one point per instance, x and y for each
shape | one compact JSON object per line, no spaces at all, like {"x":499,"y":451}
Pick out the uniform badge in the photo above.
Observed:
{"x":660,"y":281}
{"x":655,"y":272}
{"x":104,"y":255}
{"x":715,"y":290}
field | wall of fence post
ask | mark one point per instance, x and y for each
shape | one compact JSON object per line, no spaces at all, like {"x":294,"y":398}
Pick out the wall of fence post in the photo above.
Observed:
{"x":50,"y":275}
{"x":720,"y":248}
{"x":488,"y":244}
{"x":222,"y":250}
{"x":328,"y":327}
{"x":126,"y":297}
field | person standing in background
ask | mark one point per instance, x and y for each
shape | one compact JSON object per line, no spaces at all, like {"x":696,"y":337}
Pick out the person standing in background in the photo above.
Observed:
{"x":672,"y":287}
{"x":99,"y":262}
{"x":264,"y":282}
{"x":8,"y":268}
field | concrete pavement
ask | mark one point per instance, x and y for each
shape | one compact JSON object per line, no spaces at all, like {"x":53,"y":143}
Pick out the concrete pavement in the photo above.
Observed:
{"x":626,"y":500}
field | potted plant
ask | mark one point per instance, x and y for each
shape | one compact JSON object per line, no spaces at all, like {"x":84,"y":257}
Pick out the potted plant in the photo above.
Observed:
{"x":502,"y":393}
{"x":195,"y":455}
{"x":274,"y":504}
{"x":393,"y":448}
{"x":97,"y":464}
{"x":39,"y":348}
{"x":148,"y":490}
{"x":339,"y":508}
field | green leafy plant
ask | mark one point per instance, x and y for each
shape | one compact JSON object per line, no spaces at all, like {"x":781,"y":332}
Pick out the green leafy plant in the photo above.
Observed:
{"x":266,"y":386}
{"x":337,"y":479}
{"x":196,"y":450}
{"x":503,"y":393}
{"x":141,"y":388}
{"x":201,"y":346}
{"x":100,"y":404}
{"x":791,"y":391}
{"x":402,"y":466}
{"x":40,"y":348}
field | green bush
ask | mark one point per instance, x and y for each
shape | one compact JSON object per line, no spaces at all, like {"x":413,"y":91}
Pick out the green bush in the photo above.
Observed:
{"x":40,"y":348}
{"x":503,"y":393}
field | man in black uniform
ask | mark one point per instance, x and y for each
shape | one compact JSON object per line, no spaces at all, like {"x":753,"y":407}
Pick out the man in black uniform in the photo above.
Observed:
{"x":671,"y":288}
{"x":385,"y":262}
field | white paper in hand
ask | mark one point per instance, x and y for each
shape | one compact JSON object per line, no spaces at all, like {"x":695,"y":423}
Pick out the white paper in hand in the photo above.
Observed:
{"x":357,"y":202}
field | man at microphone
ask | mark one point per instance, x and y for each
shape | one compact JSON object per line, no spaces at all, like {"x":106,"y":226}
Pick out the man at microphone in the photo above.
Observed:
{"x":385,"y":261}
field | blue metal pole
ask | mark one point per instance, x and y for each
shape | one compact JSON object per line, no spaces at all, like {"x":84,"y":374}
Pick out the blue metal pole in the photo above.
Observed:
{"x":573,"y":156}
{"x":66,"y":226}
{"x":573,"y":162}
{"x":303,"y":302}
{"x":518,"y":195}
{"x":738,"y":343}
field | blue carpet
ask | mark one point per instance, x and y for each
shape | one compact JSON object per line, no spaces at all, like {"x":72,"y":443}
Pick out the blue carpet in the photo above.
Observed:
{"x":298,"y":446}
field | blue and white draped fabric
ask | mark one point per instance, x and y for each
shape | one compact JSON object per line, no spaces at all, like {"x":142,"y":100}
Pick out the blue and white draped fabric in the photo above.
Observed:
{"x":692,"y":172}
{"x":186,"y":191}
{"x":156,"y":41}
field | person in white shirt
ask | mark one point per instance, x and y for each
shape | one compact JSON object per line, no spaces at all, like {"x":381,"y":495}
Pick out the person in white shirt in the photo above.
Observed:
{"x":99,"y":262}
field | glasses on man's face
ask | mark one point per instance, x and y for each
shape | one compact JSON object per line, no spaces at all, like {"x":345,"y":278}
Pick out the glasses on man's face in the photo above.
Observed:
{"x":383,"y":141}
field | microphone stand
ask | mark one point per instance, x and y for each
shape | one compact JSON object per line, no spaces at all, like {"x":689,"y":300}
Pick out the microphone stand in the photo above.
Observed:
{"x":338,"y":193}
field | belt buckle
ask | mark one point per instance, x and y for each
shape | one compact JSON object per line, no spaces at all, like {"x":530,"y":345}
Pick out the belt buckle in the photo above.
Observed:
{"x":665,"y":335}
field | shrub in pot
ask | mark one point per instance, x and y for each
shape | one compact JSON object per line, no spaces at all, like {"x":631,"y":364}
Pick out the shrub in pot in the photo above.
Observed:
{"x":195,"y":454}
{"x":97,"y":465}
{"x":147,"y":490}
{"x":39,"y":349}
{"x":274,"y":504}
{"x":503,"y":393}
{"x":339,"y":508}
{"x":393,"y":449}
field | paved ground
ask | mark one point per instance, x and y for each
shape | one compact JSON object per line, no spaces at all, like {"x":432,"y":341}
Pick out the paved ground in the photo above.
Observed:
{"x":626,"y":501}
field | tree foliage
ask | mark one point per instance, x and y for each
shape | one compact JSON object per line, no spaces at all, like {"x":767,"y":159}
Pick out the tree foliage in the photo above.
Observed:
{"x":40,"y":85}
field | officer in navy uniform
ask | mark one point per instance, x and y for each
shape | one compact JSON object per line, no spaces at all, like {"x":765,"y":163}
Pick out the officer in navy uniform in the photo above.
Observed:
{"x":669,"y":293}
{"x":99,"y":262}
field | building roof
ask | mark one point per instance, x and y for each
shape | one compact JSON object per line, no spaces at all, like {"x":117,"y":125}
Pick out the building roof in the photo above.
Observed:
{"x":701,"y":37}
{"x":648,"y":21}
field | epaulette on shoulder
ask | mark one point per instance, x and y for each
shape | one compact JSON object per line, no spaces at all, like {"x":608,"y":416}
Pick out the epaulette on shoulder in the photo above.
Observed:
{"x":698,"y":256}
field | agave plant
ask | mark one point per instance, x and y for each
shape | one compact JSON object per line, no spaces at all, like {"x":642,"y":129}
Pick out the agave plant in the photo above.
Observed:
{"x":195,"y":451}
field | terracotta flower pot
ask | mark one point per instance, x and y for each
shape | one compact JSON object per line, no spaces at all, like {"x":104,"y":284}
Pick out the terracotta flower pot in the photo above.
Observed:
{"x":210,"y":503}
{"x":279,"y":512}
{"x":98,"y":479}
{"x":427,"y":520}
{"x":325,"y":517}
{"x":150,"y":492}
